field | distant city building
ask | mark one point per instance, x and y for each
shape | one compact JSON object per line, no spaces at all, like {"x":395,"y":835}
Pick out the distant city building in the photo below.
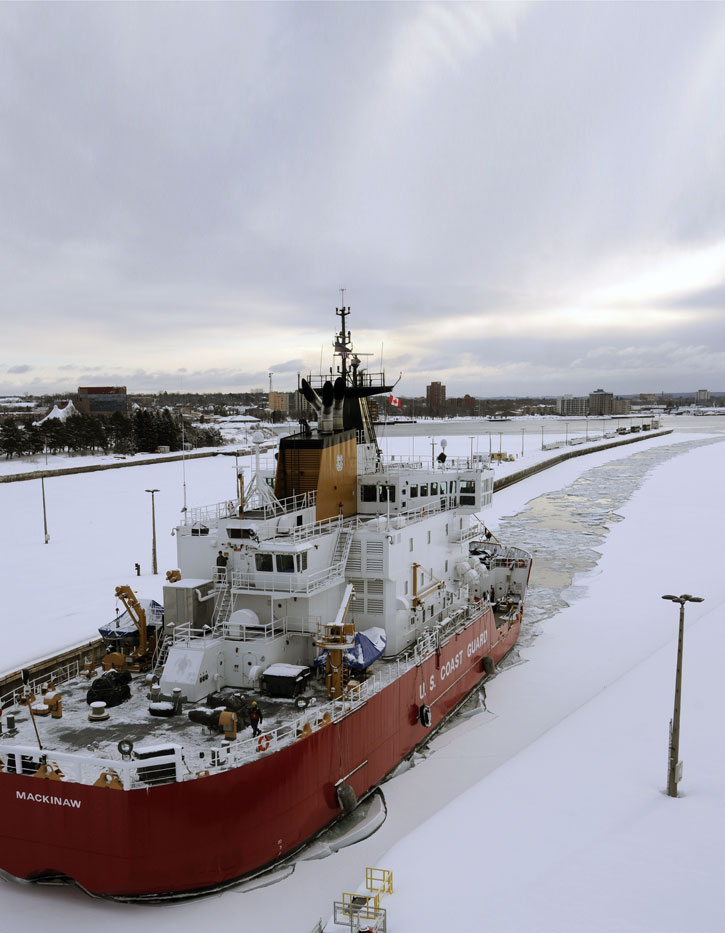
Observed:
{"x":435,"y":396}
{"x":571,"y":406}
{"x":600,"y":402}
{"x":299,"y":407}
{"x":278,"y":401}
{"x":702,"y":397}
{"x":462,"y":406}
{"x":102,"y":400}
{"x":621,"y":406}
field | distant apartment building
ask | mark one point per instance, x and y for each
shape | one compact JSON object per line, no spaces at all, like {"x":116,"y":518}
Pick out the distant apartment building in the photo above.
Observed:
{"x":102,"y":400}
{"x":462,"y":406}
{"x":570,"y":406}
{"x":621,"y":406}
{"x":600,"y":402}
{"x":702,"y":397}
{"x":435,"y":396}
{"x":278,"y":401}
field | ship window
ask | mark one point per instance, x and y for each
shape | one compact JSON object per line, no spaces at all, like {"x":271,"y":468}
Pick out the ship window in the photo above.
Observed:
{"x":234,"y":532}
{"x":453,"y":487}
{"x":302,"y":561}
{"x":434,"y":489}
{"x":264,"y":562}
{"x":444,"y":489}
{"x":285,"y":563}
{"x":424,"y":489}
{"x":413,"y":491}
{"x":368,"y":493}
{"x":199,"y":529}
{"x":386,"y":493}
{"x":468,"y":492}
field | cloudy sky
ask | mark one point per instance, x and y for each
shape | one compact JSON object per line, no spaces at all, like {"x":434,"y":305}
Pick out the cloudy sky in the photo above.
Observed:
{"x":517,"y":198}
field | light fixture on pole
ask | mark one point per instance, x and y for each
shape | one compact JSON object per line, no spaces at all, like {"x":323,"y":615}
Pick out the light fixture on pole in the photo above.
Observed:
{"x":674,"y":766}
{"x":522,"y":442}
{"x":154,"y":566}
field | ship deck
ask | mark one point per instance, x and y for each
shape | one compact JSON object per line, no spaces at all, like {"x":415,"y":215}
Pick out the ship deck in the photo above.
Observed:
{"x":74,"y":733}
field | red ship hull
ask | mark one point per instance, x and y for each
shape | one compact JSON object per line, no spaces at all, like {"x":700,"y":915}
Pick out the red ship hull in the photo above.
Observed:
{"x":182,"y":838}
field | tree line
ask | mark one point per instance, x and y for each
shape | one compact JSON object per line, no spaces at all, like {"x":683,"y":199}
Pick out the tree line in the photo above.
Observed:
{"x":142,"y":432}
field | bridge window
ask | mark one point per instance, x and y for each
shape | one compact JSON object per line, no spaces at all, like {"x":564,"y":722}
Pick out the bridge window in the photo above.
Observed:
{"x":424,"y":489}
{"x":198,"y":529}
{"x":285,"y":563}
{"x":386,"y":493}
{"x":302,"y":561}
{"x":264,"y":562}
{"x":413,"y":491}
{"x":468,"y":492}
{"x":368,"y":493}
{"x":434,"y":489}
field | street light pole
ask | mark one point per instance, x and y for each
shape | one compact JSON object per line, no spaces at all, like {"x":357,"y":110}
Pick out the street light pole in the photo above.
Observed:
{"x":45,"y":514}
{"x":522,"y":442}
{"x":674,"y":767}
{"x":153,"y":530}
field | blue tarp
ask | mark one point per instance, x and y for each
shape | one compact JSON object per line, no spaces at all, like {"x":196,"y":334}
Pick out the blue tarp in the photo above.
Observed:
{"x":124,"y":625}
{"x":368,"y":647}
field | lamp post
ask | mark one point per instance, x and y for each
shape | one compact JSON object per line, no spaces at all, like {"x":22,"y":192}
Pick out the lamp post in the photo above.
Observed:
{"x":674,"y":767}
{"x":566,"y":440}
{"x":522,"y":441}
{"x":155,"y":568}
{"x":45,"y":513}
{"x":470,"y":437}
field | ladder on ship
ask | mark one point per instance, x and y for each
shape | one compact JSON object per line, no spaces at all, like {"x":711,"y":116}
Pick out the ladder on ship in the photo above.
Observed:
{"x":160,"y":654}
{"x":342,"y":547}
{"x":222,"y":604}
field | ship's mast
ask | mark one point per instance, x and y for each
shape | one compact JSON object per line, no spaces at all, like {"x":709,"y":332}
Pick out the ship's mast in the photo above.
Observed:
{"x":343,"y":344}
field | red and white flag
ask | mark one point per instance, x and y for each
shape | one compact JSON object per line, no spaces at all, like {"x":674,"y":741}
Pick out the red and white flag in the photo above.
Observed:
{"x":394,"y":401}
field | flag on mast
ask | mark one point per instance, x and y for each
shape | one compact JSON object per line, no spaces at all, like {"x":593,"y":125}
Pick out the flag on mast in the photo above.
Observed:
{"x":394,"y":401}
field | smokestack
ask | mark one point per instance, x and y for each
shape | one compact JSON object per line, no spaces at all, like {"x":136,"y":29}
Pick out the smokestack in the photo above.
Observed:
{"x":312,"y":397}
{"x":324,"y":423}
{"x":339,"y":398}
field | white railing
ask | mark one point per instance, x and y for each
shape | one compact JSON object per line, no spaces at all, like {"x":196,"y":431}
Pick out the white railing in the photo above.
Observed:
{"x":59,"y":675}
{"x":83,"y":769}
{"x":271,"y":582}
{"x":229,"y":508}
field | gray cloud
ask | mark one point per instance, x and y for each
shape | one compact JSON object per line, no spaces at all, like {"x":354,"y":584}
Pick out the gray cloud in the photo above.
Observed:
{"x":20,"y":368}
{"x":178,"y":180}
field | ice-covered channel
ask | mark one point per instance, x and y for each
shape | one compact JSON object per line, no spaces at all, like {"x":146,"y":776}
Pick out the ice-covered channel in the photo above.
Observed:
{"x":564,"y":529}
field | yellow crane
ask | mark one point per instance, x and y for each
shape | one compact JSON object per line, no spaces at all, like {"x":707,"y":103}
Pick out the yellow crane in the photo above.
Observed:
{"x":140,"y":657}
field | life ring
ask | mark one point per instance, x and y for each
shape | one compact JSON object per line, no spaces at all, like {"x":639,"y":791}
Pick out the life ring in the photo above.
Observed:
{"x":422,"y":512}
{"x":521,"y":563}
{"x":263,"y":743}
{"x":425,"y":716}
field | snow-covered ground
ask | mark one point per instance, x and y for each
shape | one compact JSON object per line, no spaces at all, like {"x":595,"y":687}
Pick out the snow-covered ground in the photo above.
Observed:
{"x":545,"y":813}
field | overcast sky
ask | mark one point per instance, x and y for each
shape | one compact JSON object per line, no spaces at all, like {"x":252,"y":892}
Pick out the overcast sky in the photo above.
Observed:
{"x":518,"y":199}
